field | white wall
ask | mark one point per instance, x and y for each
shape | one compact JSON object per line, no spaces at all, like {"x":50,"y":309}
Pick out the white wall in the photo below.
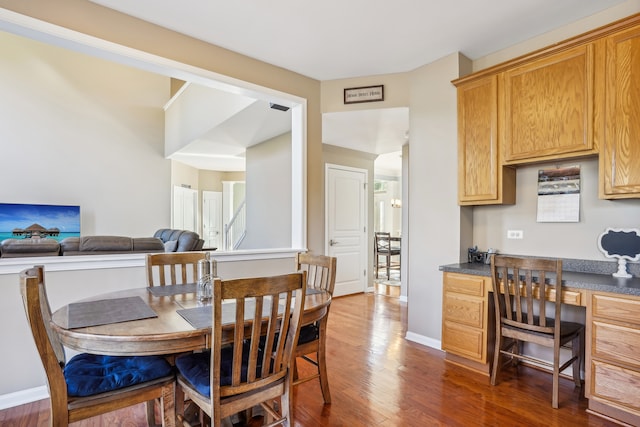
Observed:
{"x":268,"y":191}
{"x":435,"y":219}
{"x":565,"y":240}
{"x":81,"y":130}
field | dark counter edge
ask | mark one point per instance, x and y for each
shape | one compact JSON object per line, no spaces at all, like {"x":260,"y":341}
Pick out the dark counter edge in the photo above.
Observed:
{"x":590,"y":278}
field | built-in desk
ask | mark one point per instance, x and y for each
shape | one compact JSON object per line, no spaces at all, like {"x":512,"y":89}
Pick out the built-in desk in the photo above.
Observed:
{"x":612,"y":363}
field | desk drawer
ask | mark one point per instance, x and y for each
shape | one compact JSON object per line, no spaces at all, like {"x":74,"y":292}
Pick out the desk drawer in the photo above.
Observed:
{"x":464,"y":309}
{"x":463,"y":341}
{"x":622,"y":309}
{"x":464,"y":284}
{"x":616,"y":343}
{"x":617,"y":385}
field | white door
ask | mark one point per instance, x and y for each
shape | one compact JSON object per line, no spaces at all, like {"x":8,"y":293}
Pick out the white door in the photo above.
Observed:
{"x":212,"y":219}
{"x":346,"y":220}
{"x":185,"y":208}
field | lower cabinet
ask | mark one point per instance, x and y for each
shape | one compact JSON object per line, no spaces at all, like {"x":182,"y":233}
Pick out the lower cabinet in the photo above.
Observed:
{"x":465,"y":320}
{"x":613,"y":356}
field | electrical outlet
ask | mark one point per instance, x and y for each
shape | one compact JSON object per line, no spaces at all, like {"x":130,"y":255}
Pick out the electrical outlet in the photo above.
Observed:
{"x":515,"y":234}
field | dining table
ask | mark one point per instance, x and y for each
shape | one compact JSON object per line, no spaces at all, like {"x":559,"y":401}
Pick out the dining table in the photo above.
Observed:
{"x":157,"y":320}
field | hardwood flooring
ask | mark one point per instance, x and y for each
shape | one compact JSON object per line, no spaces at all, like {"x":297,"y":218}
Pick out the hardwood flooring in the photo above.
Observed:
{"x":378,"y":378}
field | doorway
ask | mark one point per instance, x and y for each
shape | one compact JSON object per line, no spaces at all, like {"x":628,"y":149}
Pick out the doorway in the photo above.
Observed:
{"x":185,"y":208}
{"x":387,"y":208}
{"x":345,"y":225}
{"x":212,"y":219}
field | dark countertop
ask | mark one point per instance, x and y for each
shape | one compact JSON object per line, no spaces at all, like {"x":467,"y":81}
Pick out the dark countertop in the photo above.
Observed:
{"x":572,"y":279}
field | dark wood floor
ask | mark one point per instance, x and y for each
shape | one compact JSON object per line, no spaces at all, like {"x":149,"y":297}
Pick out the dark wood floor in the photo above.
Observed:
{"x":378,"y":378}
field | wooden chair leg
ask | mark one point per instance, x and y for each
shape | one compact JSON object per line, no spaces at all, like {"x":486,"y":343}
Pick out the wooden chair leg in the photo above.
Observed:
{"x":388,"y":267}
{"x":495,"y":369}
{"x":376,"y":266}
{"x":577,"y":346}
{"x":556,"y":376}
{"x":294,"y":368}
{"x":322,"y":368}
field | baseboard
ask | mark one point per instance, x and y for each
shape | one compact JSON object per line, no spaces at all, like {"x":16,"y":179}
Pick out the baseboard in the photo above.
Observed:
{"x":421,"y":339}
{"x":24,"y":396}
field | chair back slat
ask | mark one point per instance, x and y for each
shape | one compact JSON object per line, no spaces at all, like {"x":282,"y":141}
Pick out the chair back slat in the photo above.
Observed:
{"x":542,"y":312}
{"x":172,"y":268}
{"x":268,"y":311}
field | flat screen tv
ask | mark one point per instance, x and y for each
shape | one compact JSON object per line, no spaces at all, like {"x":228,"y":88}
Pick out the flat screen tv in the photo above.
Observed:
{"x":26,"y":221}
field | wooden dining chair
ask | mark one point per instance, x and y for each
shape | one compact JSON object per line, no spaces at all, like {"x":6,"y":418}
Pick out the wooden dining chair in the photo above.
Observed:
{"x":172,"y":268}
{"x":383,"y":248}
{"x":88,"y":385}
{"x":321,"y":275}
{"x":521,"y":290}
{"x":255,"y":369}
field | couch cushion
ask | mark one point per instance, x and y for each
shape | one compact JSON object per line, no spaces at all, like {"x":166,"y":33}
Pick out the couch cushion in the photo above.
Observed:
{"x":13,"y":248}
{"x":171,"y":246}
{"x":147,"y":244}
{"x":167,"y":234}
{"x":70,"y":244}
{"x":105,"y":243}
{"x":188,"y":241}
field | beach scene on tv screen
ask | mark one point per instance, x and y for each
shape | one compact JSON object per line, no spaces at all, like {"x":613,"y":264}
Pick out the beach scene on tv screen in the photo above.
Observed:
{"x":26,"y":221}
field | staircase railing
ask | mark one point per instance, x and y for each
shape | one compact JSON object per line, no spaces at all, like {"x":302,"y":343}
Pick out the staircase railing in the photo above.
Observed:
{"x":236,"y":230}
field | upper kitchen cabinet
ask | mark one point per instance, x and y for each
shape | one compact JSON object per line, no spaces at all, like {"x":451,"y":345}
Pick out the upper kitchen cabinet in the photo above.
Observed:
{"x":620,"y":151}
{"x":549,"y":107}
{"x":481,"y":176}
{"x":577,"y":98}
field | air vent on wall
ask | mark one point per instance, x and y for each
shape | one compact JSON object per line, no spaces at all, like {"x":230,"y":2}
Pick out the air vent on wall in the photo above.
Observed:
{"x":278,"y":107}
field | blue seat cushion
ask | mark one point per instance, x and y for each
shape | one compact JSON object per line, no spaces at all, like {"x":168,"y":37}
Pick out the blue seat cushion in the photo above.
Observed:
{"x":89,"y":374}
{"x":308,"y":333}
{"x":196,"y":367}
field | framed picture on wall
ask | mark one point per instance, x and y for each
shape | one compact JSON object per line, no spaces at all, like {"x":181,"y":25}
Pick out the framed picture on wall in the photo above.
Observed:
{"x":29,"y":221}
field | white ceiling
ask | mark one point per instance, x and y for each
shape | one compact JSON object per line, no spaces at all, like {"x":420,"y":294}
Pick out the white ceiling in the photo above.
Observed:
{"x":336,"y":39}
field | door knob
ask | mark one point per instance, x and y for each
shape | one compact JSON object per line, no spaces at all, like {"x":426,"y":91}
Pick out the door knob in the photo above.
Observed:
{"x":332,"y":242}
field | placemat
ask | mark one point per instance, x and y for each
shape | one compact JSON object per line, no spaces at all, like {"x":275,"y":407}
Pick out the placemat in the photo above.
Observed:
{"x":202,"y":317}
{"x":107,"y":311}
{"x":168,"y":290}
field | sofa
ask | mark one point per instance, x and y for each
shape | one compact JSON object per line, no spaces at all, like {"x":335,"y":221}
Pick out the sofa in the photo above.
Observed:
{"x":101,"y":245}
{"x":164,"y":240}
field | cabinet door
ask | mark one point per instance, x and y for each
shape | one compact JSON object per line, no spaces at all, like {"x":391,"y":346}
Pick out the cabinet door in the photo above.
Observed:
{"x":620,"y":154}
{"x":480,"y":179}
{"x":548,"y":110}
